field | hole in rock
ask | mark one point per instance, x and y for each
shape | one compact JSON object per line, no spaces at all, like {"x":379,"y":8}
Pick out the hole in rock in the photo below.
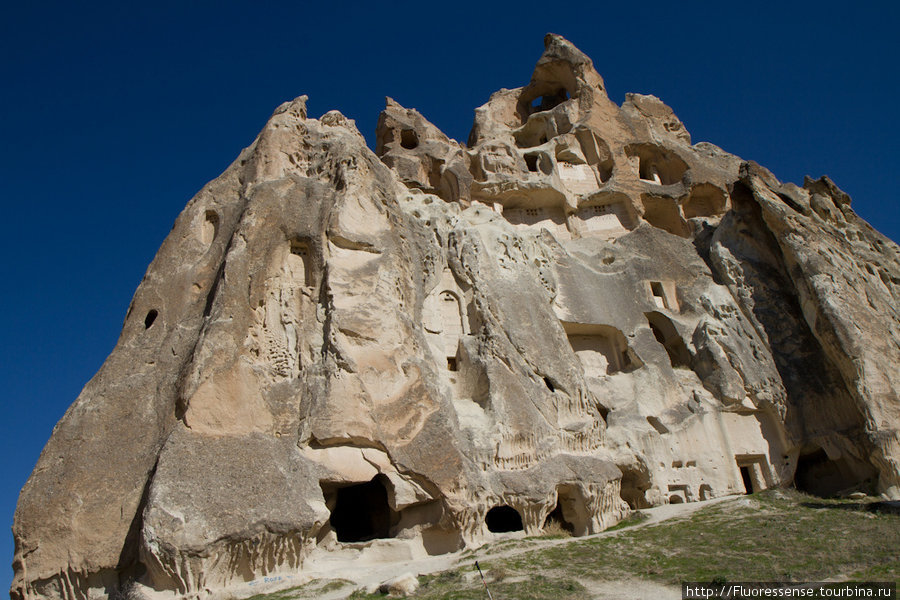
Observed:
{"x":451,"y":363}
{"x":210,"y":227}
{"x":548,"y":101}
{"x":635,"y":482}
{"x":502,"y":519}
{"x":361,"y":512}
{"x":150,"y":318}
{"x":556,"y":519}
{"x":601,"y":349}
{"x":705,"y":492}
{"x":665,"y":333}
{"x":821,"y":476}
{"x":409,"y":139}
{"x":659,"y":296}
{"x":705,"y":201}
{"x":675,"y":499}
{"x":748,"y":480}
{"x":658,"y":426}
{"x":531,"y":160}
{"x":657,"y":165}
{"x":663,"y":214}
{"x":298,"y":263}
{"x":549,"y":384}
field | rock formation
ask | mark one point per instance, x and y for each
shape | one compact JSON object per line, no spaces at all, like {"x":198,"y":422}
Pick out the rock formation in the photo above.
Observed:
{"x":400,"y":353}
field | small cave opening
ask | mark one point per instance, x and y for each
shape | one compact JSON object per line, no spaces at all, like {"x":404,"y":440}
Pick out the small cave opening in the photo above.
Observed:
{"x":634,"y":485}
{"x":150,"y":318}
{"x":210,"y":227}
{"x":656,"y":424}
{"x":531,"y":161}
{"x":675,"y":499}
{"x":503,"y":519}
{"x":409,"y":139}
{"x":549,"y":101}
{"x":706,"y":200}
{"x":747,"y":479}
{"x":819,"y":475}
{"x":361,"y":511}
{"x":666,"y":334}
{"x":706,"y":492}
{"x":556,"y":520}
{"x":659,"y":295}
{"x":657,"y":165}
{"x":663,"y":213}
{"x":299,"y":263}
{"x":549,"y":384}
{"x":452,"y":364}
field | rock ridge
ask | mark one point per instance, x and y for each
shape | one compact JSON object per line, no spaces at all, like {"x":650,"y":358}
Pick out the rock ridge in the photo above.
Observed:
{"x":410,"y":351}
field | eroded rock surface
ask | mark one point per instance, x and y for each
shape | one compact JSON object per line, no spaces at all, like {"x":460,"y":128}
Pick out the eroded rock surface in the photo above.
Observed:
{"x":405,"y":352}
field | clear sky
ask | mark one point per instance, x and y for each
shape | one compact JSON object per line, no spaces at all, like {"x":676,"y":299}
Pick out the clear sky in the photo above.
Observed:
{"x":113,"y":114}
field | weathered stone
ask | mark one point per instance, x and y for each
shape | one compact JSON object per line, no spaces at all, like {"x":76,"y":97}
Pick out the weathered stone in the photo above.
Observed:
{"x":389,"y":354}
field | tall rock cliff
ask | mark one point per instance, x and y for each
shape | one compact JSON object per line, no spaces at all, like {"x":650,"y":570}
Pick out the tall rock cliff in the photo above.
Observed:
{"x":576,"y":313}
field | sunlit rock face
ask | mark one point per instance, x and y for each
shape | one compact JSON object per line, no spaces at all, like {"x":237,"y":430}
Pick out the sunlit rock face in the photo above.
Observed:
{"x":401,"y":353}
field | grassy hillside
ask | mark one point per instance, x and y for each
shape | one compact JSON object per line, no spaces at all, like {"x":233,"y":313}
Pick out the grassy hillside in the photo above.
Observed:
{"x":774,"y":535}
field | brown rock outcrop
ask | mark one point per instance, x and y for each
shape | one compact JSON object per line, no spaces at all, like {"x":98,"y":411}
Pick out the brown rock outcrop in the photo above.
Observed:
{"x":404,"y":352}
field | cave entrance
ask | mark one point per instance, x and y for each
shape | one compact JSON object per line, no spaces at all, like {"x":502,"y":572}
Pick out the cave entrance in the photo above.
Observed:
{"x":361,"y":512}
{"x":503,"y":519}
{"x":748,"y":480}
{"x":820,"y":475}
{"x":557,"y":519}
{"x":635,"y":482}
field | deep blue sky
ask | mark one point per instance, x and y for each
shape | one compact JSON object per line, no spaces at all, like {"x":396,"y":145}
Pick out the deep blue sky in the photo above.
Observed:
{"x":112,"y":116}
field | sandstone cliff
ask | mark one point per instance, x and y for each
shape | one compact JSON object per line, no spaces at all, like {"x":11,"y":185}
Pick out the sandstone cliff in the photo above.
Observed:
{"x":576,"y":313}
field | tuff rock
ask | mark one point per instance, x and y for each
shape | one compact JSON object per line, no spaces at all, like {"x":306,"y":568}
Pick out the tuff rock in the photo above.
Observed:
{"x":400,"y":353}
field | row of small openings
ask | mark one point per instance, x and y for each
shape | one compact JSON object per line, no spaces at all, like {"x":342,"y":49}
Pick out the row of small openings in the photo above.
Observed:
{"x":361,"y":512}
{"x":599,"y":210}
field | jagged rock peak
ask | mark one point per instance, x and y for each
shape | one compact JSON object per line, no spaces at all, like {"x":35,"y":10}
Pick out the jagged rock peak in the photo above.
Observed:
{"x":339,"y":352}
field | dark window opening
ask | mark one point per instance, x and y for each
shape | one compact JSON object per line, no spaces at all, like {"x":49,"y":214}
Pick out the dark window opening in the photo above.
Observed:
{"x":657,"y":289}
{"x":549,"y":384}
{"x":531,"y":160}
{"x":409,"y":139}
{"x":675,"y":499}
{"x":451,"y":363}
{"x":361,"y":512}
{"x":542,"y":103}
{"x":556,"y":517}
{"x":503,"y":519}
{"x":150,"y":318}
{"x":657,"y":425}
{"x":748,"y":480}
{"x":705,"y":492}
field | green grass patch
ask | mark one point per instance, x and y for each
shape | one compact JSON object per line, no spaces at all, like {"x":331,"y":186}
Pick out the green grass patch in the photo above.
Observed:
{"x":774,"y":535}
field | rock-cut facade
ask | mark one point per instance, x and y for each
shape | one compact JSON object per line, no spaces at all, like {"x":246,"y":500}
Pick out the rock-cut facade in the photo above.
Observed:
{"x":406,"y":352}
